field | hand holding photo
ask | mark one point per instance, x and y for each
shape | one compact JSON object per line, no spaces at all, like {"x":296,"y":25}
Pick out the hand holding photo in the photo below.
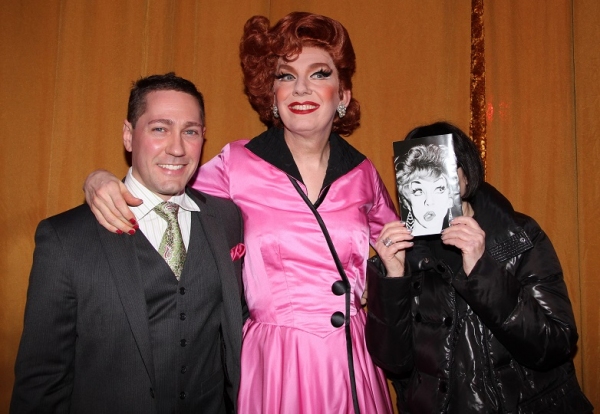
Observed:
{"x":427,"y":181}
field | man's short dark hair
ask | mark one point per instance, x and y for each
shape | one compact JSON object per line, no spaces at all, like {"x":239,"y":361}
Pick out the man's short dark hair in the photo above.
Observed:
{"x":166,"y":82}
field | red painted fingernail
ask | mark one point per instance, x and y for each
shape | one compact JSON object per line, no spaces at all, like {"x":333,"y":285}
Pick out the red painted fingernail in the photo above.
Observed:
{"x":131,"y":232}
{"x":136,"y":226}
{"x":119,"y":231}
{"x":133,"y":221}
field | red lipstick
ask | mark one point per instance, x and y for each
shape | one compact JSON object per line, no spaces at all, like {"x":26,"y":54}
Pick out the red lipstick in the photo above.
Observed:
{"x":302,"y":108}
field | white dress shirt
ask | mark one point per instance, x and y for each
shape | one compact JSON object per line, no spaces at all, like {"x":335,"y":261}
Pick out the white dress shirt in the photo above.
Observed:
{"x":151,"y":224}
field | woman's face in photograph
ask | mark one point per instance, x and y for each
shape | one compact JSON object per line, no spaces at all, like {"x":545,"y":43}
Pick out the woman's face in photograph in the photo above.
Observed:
{"x":430,"y":200}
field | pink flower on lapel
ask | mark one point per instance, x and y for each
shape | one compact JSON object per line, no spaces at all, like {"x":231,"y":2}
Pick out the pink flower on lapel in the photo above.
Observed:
{"x":238,"y":251}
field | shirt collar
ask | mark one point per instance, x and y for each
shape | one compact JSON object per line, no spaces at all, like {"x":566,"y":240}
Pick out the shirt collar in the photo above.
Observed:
{"x":151,"y":200}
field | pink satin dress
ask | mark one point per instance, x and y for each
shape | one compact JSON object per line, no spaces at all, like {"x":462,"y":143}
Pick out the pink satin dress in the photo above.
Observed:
{"x":293,"y":359}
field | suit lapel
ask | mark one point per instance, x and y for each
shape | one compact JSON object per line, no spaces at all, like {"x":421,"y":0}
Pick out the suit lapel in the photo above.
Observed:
{"x":231,"y":288}
{"x":215,"y":234}
{"x":121,"y":254}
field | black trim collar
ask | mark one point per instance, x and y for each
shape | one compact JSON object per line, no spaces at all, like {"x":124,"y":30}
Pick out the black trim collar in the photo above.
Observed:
{"x":271,"y":147}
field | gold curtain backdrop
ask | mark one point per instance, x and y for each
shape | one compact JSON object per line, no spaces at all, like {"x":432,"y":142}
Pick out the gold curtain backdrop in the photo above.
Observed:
{"x":67,"y":66}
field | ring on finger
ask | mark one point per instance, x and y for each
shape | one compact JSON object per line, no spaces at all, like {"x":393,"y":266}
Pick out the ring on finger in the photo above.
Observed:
{"x":387,"y":242}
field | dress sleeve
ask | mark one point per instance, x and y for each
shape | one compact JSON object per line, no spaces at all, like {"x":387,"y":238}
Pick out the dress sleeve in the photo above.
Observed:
{"x":524,"y":303}
{"x":383,"y":210}
{"x":213,"y":177}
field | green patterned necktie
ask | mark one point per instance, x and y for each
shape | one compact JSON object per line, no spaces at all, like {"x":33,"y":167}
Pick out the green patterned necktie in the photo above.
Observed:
{"x":171,"y":246}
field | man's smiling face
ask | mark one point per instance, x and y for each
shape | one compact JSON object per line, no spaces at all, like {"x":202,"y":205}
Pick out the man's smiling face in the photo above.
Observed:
{"x":166,"y":142}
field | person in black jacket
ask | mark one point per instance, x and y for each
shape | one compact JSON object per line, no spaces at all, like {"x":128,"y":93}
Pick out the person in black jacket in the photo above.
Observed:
{"x":477,"y":320}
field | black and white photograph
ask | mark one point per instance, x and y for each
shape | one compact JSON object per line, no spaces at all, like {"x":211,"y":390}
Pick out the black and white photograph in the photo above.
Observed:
{"x":427,"y":183}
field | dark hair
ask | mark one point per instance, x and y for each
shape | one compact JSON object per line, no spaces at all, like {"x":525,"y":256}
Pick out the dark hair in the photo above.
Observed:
{"x":262,"y":46}
{"x":167,"y":82}
{"x":467,"y":155}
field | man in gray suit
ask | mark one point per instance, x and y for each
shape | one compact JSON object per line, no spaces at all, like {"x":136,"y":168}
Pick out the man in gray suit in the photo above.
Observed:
{"x":145,"y":324}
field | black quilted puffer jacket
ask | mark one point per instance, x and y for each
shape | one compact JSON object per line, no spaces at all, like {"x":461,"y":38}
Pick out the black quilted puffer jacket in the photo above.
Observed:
{"x":499,"y":341}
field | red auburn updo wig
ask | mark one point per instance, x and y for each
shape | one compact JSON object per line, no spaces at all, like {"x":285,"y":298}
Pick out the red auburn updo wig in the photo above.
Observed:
{"x":262,"y":46}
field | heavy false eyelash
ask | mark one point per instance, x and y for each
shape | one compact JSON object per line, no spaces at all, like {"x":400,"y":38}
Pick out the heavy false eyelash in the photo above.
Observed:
{"x":324,"y":72}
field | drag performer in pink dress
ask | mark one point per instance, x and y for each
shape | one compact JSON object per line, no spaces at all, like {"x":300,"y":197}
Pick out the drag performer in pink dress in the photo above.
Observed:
{"x":294,"y":355}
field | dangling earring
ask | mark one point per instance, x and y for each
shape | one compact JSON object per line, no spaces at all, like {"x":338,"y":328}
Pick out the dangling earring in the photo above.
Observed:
{"x":410,"y":221}
{"x":450,"y":215}
{"x":275,"y":111}
{"x":341,"y":110}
